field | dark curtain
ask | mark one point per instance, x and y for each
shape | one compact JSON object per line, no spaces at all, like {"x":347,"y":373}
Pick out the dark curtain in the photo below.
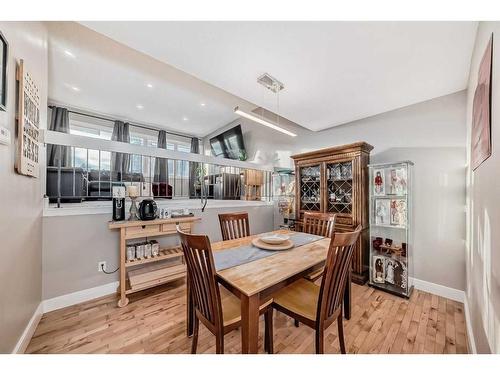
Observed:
{"x":161,"y":163}
{"x":120,"y":162}
{"x":193,"y":168}
{"x":59,"y":155}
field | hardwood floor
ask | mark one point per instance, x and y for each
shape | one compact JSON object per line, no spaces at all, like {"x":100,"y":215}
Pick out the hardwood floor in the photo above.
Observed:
{"x":154,"y":322}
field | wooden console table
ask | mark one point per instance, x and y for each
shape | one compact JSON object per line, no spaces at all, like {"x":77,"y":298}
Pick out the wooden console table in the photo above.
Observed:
{"x":148,"y":276}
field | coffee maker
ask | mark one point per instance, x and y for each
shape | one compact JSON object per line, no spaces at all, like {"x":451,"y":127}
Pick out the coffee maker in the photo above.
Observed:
{"x":118,"y":203}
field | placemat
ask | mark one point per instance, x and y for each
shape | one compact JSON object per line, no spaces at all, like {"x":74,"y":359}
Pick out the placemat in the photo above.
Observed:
{"x":248,"y":253}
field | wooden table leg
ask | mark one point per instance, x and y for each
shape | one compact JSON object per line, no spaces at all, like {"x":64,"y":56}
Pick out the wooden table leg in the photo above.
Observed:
{"x":189,"y":310}
{"x":347,"y":298}
{"x":123,"y":301}
{"x":249,"y":323}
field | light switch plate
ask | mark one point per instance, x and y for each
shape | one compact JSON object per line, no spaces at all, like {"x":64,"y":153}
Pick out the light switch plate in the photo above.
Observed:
{"x":4,"y":136}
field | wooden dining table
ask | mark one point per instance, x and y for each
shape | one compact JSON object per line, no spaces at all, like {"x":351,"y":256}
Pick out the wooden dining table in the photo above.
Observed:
{"x":255,"y":282}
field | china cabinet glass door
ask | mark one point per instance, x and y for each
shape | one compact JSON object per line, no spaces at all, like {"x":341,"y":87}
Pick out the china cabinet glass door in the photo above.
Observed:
{"x":339,"y":187}
{"x":310,"y":187}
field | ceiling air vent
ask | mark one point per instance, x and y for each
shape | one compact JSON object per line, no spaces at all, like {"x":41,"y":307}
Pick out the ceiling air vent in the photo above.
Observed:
{"x":270,"y":82}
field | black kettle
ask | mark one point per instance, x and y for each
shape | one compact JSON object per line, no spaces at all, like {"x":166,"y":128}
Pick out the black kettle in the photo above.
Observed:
{"x":147,"y":209}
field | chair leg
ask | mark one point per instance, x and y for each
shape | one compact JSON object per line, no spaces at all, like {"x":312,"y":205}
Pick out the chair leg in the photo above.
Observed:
{"x":297,"y":323}
{"x":341,"y":333}
{"x":319,"y":341}
{"x":194,"y":343}
{"x":219,"y":343}
{"x":268,"y":340}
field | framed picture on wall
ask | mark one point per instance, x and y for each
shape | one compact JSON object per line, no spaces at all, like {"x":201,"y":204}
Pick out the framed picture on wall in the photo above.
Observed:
{"x":28,"y":122}
{"x":481,"y":110}
{"x":4,"y":48}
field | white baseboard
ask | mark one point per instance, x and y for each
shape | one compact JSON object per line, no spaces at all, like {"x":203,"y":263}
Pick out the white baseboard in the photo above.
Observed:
{"x":440,"y":290}
{"x":470,"y":334}
{"x":25,"y":338}
{"x":79,"y":297}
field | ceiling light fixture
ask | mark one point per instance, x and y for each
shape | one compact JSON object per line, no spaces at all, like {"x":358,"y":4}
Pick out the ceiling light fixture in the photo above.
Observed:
{"x":139,"y":106}
{"x":270,"y":83}
{"x":149,"y":85}
{"x":202,"y":104}
{"x":263,"y":122}
{"x":185,"y":119}
{"x":74,"y":88}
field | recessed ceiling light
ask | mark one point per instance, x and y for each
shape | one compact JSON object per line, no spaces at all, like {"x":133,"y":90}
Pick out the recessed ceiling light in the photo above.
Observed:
{"x":69,"y":53}
{"x":202,"y":104}
{"x":185,"y":119}
{"x":74,"y":88}
{"x":139,"y":106}
{"x":149,"y":85}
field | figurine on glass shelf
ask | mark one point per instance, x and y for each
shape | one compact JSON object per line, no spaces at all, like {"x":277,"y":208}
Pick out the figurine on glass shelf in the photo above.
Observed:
{"x":377,"y":242}
{"x":389,"y":271}
{"x":378,"y":182}
{"x":378,"y":270}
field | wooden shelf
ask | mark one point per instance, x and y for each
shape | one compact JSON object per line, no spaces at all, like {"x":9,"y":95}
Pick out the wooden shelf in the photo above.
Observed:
{"x":164,"y":254}
{"x":166,"y":267}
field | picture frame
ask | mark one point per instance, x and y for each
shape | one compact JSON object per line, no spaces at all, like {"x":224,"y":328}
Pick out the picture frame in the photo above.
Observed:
{"x":382,"y":211}
{"x":378,"y":269}
{"x":398,"y":212}
{"x":28,"y":123}
{"x":398,"y":180}
{"x":481,"y":110}
{"x":378,"y":182}
{"x":400,"y":274}
{"x":4,"y":54}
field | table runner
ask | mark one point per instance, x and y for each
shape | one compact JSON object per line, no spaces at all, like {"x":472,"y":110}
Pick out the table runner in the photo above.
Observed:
{"x":248,"y":253}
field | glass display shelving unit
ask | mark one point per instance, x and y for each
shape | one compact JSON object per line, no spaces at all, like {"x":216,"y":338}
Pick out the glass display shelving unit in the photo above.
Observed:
{"x":391,"y":250}
{"x":284,"y":198}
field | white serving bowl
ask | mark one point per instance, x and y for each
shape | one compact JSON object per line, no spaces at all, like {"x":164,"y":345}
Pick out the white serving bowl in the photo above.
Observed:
{"x":274,"y":239}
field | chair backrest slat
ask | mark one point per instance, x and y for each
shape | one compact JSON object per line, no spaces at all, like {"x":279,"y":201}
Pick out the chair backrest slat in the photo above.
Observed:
{"x":201,"y":274}
{"x":321,"y":224}
{"x":337,"y":267}
{"x":234,"y":225}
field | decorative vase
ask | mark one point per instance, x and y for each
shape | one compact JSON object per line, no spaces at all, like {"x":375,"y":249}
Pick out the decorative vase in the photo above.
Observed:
{"x":133,"y":209}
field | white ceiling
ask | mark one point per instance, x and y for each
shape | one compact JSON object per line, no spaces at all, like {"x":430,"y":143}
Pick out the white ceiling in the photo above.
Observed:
{"x":334,"y":72}
{"x":92,"y":72}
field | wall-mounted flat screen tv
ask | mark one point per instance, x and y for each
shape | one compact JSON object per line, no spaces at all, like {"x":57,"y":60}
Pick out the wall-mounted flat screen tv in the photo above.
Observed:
{"x":229,"y":144}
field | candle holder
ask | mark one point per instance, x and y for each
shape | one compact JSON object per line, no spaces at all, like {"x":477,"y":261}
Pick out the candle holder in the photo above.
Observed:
{"x":133,"y":209}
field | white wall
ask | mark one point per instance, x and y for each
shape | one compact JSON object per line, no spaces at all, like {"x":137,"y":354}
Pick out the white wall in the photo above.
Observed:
{"x":432,"y":135}
{"x":21,"y":207}
{"x":483,"y":252}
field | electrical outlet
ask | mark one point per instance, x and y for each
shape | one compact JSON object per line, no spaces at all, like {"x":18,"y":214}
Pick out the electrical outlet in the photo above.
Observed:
{"x":101,"y":266}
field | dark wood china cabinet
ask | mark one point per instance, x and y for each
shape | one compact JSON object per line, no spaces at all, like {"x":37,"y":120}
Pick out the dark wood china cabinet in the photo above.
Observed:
{"x":335,"y":180}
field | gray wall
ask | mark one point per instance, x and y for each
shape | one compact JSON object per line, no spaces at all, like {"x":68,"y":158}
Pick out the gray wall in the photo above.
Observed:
{"x":431,"y":134}
{"x":21,"y":211}
{"x":483,"y":237}
{"x":73,"y":245}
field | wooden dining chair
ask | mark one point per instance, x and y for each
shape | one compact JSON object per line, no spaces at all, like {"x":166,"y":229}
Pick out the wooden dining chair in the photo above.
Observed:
{"x":234,"y":225}
{"x":217,"y":308}
{"x":321,"y":224}
{"x":319,"y":306}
